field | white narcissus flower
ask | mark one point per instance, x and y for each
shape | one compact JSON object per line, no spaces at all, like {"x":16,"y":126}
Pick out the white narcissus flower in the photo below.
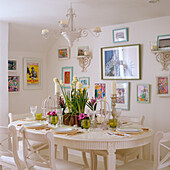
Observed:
{"x":75,"y":78}
{"x":55,"y":80}
{"x":61,"y":81}
{"x":79,"y":85}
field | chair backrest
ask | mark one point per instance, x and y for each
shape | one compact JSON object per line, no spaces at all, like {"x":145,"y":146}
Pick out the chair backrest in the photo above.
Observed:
{"x":160,"y":141}
{"x":12,"y":117}
{"x":30,"y":153}
{"x":132,"y":119}
{"x":9,"y":135}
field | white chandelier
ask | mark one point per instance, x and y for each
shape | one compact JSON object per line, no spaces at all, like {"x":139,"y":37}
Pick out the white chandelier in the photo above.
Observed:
{"x":68,"y":31}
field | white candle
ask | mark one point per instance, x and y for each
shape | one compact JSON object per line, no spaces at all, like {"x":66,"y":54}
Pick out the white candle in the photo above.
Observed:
{"x":113,"y":87}
{"x":57,"y":88}
{"x":104,"y":99}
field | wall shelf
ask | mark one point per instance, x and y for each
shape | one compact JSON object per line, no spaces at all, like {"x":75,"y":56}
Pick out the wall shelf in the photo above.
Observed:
{"x":163,"y":57}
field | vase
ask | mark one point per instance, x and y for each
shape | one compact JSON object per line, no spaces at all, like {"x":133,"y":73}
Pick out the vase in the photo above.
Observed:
{"x":54,"y":120}
{"x":85,"y":123}
{"x":71,"y":120}
{"x":113,"y":123}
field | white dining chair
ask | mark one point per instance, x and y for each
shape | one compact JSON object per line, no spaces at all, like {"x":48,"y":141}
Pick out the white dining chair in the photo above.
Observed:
{"x":34,"y":160}
{"x":161,"y":162}
{"x":10,"y":158}
{"x":123,"y":154}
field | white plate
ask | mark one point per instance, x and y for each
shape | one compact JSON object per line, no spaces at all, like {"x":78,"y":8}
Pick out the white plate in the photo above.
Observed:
{"x":33,"y":125}
{"x":129,"y":129}
{"x":64,"y":129}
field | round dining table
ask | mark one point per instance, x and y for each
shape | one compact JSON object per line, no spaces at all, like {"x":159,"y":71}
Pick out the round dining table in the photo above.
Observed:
{"x":101,"y":140}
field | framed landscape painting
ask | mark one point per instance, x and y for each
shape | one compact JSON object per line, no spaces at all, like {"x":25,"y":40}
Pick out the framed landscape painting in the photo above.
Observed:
{"x":120,"y":35}
{"x":32,"y":73}
{"x":121,"y":62}
{"x":122,"y":91}
{"x":85,"y":81}
{"x":143,"y":93}
{"x":67,"y":76}
{"x":63,"y":53}
{"x":13,"y":83}
{"x":12,"y":65}
{"x":163,"y":85}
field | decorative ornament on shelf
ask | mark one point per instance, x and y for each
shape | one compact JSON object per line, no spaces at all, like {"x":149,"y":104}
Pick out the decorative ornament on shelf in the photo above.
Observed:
{"x":68,"y":31}
{"x":85,"y":61}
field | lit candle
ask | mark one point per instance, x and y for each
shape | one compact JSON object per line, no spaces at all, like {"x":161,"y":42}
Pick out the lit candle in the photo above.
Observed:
{"x":113,"y":87}
{"x":97,"y":29}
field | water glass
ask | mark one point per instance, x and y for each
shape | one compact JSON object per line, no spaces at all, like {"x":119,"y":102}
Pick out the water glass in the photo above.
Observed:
{"x":33,"y":110}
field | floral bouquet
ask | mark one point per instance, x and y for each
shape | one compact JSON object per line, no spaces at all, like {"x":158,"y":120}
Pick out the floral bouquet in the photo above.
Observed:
{"x":92,"y":104}
{"x":83,"y":116}
{"x":85,"y":121}
{"x":53,"y":118}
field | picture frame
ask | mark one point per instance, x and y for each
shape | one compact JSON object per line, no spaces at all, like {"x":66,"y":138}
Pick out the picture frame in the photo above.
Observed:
{"x":63,"y":53}
{"x":32,"y":73}
{"x":81,"y":50}
{"x":143,"y":93}
{"x":120,"y":35}
{"x":163,"y":42}
{"x":13,"y":84}
{"x":67,"y":76}
{"x":12,"y":65}
{"x":163,"y":85}
{"x":121,"y":62}
{"x":85,"y":81}
{"x":100,"y":90}
{"x":122,"y":91}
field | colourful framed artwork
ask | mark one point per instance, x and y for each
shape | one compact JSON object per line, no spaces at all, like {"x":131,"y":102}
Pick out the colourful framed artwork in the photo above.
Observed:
{"x":122,"y":91}
{"x":120,"y":35}
{"x":163,"y":42}
{"x":143,"y":93}
{"x":67,"y":76}
{"x":121,"y":62}
{"x":32,"y":73}
{"x":63,"y":53}
{"x":100,"y":90}
{"x":163,"y":85}
{"x":12,"y":65}
{"x":81,"y":50}
{"x":13,"y":83}
{"x":85,"y":81}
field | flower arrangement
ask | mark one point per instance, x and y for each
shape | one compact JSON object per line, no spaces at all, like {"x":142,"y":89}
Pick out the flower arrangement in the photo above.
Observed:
{"x":53,"y":113}
{"x":92,"y":104}
{"x":83,"y":116}
{"x":78,"y":98}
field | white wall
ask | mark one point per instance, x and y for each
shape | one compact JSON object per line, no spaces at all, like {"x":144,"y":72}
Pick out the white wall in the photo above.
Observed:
{"x":19,"y":102}
{"x":3,"y":73}
{"x":157,"y":111}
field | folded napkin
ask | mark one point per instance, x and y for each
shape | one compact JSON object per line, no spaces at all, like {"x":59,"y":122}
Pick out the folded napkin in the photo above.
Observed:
{"x":70,"y":133}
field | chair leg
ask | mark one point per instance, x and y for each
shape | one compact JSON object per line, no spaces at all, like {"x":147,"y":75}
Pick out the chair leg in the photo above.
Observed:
{"x":95,"y":161}
{"x":105,"y":162}
{"x":0,"y":167}
{"x":85,"y":159}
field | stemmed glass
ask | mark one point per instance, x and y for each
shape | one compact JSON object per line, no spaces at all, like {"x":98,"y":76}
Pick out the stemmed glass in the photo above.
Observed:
{"x":33,"y":110}
{"x":59,"y":112}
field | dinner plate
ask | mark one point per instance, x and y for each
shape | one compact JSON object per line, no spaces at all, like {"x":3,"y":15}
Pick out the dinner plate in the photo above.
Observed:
{"x":129,"y":129}
{"x":64,"y":129}
{"x":34,"y":125}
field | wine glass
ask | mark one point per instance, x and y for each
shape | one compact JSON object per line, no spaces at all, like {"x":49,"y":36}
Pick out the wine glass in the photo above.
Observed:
{"x":33,"y":110}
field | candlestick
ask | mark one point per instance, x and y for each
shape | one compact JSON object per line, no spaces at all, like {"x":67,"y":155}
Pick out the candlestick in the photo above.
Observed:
{"x":113,"y":98}
{"x":104,"y":99}
{"x":113,"y":87}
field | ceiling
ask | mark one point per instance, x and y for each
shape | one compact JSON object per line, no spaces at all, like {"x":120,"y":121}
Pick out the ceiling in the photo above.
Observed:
{"x":28,"y":17}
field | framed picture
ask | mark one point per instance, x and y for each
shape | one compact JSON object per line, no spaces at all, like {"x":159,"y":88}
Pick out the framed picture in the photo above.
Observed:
{"x":121,"y":62}
{"x":100,"y":90}
{"x":122,"y":91}
{"x":81,"y":51}
{"x":12,"y":65}
{"x":63,"y":53}
{"x":163,"y":42}
{"x":13,"y":83}
{"x":67,"y":76}
{"x":85,"y":81}
{"x":163,"y":85}
{"x":143,"y":93}
{"x":32,"y":73}
{"x":120,"y":35}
